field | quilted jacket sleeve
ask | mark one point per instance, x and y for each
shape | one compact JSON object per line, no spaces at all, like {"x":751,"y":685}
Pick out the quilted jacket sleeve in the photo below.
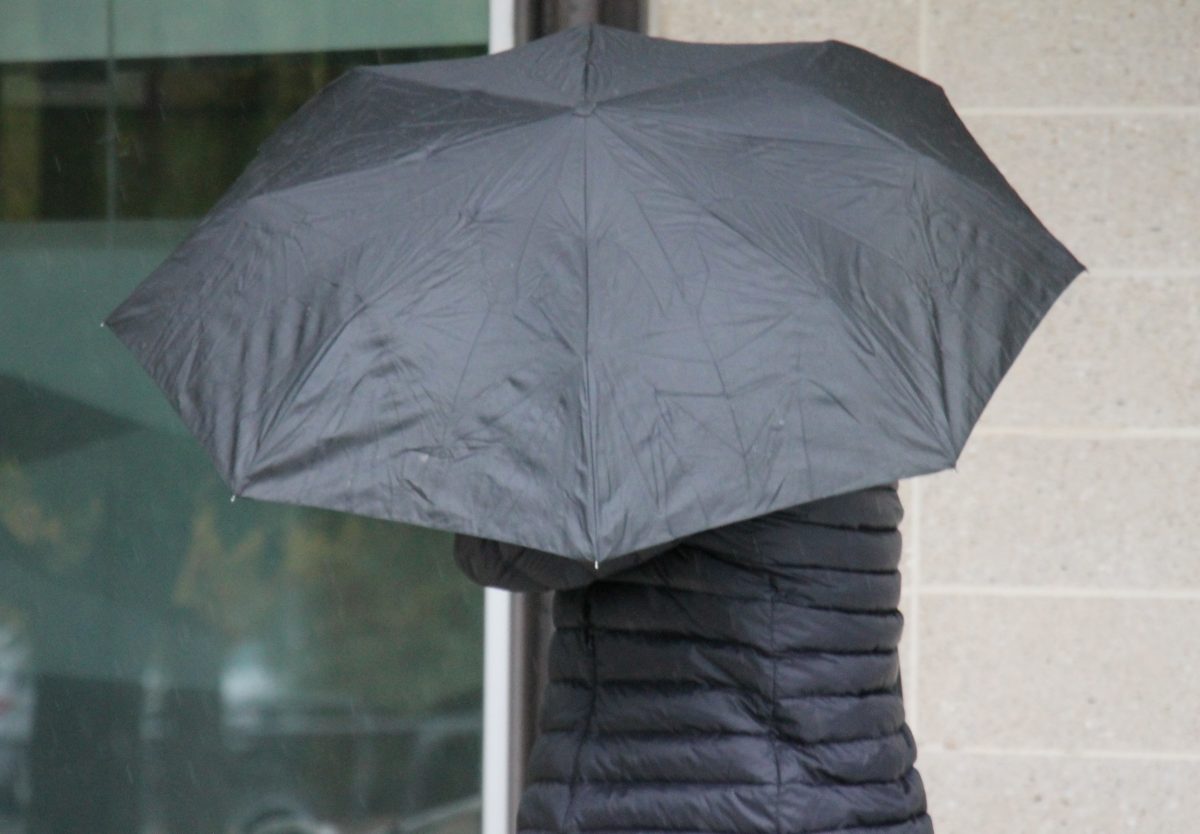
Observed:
{"x":516,"y":568}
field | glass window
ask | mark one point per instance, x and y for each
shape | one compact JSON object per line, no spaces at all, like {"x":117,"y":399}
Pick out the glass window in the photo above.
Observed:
{"x":170,"y":661}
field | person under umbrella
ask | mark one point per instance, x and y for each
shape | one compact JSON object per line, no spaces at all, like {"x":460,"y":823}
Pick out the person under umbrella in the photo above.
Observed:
{"x":743,"y":678}
{"x":607,"y":293}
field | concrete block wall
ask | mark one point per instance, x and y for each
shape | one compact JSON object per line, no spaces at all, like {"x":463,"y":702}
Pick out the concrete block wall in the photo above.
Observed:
{"x":1051,"y":651}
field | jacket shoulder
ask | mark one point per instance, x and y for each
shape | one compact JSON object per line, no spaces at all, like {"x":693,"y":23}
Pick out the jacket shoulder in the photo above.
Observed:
{"x":514,"y":567}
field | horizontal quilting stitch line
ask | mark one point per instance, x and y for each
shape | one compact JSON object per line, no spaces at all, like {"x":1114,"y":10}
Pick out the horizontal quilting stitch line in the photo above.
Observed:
{"x":854,"y":696}
{"x":874,"y":828}
{"x":857,"y":528}
{"x":793,"y":530}
{"x":783,"y":734}
{"x":642,"y":635}
{"x":656,"y":685}
{"x":721,"y":783}
{"x":790,"y":572}
{"x":865,"y":527}
{"x":836,"y":609}
{"x":641,"y":830}
{"x":785,"y":568}
{"x":718,"y":783}
{"x":658,"y":783}
{"x":794,"y":538}
{"x":793,"y":578}
{"x":680,"y":734}
{"x":786,"y":597}
{"x":688,"y":686}
{"x":645,"y":830}
{"x":891,"y":612}
{"x":857,"y":828}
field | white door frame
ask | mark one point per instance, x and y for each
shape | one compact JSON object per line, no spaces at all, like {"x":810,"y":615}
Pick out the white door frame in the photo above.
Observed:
{"x":497,"y":815}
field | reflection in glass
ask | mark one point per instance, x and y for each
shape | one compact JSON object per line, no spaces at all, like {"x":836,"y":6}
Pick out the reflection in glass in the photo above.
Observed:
{"x":171,"y":661}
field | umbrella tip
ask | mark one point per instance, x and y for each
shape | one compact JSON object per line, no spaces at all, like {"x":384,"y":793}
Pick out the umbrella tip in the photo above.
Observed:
{"x":232,"y":498}
{"x":596,"y":564}
{"x":102,"y":324}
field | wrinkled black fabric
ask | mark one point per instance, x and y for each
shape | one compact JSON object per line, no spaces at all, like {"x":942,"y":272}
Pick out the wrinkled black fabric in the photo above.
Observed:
{"x":599,"y":292}
{"x":744,"y":680}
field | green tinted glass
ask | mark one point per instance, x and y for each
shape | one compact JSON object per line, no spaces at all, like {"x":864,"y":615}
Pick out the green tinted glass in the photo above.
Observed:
{"x":171,"y":661}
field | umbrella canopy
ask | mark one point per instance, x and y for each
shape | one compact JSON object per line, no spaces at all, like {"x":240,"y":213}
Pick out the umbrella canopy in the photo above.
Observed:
{"x":600,"y":291}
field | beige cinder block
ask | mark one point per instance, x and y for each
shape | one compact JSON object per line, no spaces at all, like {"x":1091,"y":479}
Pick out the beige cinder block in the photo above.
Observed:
{"x":1104,"y":513}
{"x":1073,"y":53}
{"x":1068,"y":674}
{"x":1114,"y":351}
{"x":886,"y":27}
{"x":1051,"y":794}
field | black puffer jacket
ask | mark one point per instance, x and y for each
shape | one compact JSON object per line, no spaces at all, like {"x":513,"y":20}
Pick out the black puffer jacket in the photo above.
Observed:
{"x":743,"y":679}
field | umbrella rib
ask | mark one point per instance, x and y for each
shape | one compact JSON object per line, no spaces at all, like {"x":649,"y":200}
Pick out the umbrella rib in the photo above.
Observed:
{"x":777,"y":50}
{"x":427,"y":120}
{"x":1038,"y":245}
{"x":773,"y":50}
{"x":589,"y":433}
{"x":693,"y":129}
{"x":381,"y":166}
{"x":685,"y":192}
{"x":922,"y":155}
{"x":517,"y":273}
{"x":824,"y":221}
{"x":967,"y":179}
{"x":934,"y":307}
{"x":389,"y":76}
{"x":319,"y":353}
{"x":297,"y":382}
{"x":741,"y":444}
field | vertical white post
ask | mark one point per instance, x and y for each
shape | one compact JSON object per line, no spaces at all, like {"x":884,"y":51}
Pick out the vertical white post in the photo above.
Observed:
{"x":502,"y":19}
{"x":497,"y":707}
{"x":497,"y":816}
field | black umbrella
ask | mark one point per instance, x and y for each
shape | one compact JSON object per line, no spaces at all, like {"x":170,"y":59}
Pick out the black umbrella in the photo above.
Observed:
{"x":600,"y":291}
